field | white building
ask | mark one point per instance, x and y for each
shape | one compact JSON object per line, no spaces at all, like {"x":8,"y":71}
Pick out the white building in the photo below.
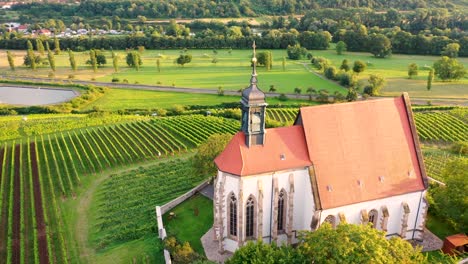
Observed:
{"x":357,"y":162}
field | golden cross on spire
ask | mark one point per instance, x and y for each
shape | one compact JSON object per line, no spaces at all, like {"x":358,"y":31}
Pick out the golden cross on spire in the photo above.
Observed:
{"x":254,"y":46}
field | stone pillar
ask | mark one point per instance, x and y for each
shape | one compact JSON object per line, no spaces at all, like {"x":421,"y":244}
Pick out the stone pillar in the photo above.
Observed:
{"x":404,"y":220}
{"x":342,"y":217}
{"x":422,"y":223}
{"x":260,"y":210}
{"x":240,"y":217}
{"x":274,"y":231}
{"x":220,"y":210}
{"x":385,"y":215}
{"x":364,"y":217}
{"x":289,"y":225}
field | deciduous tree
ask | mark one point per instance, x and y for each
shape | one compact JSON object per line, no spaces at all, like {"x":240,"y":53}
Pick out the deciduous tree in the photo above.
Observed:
{"x":430,"y":79}
{"x":71,"y":58}
{"x":57,"y":46}
{"x":412,"y":70}
{"x":184,"y":59}
{"x":40,"y":46}
{"x":11,"y":60}
{"x":379,"y":45}
{"x":348,"y":243}
{"x":451,"y":50}
{"x":51,"y":58}
{"x":344,"y":65}
{"x":359,"y":66}
{"x":449,"y":69}
{"x":376,"y":83}
{"x":450,"y":201}
{"x":340,"y":47}
{"x":207,"y":152}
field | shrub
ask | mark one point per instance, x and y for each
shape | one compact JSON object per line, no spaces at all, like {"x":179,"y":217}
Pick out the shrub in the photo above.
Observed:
{"x":115,"y":79}
{"x":331,"y":72}
{"x":320,"y":63}
{"x":282,"y":97}
{"x":346,"y":79}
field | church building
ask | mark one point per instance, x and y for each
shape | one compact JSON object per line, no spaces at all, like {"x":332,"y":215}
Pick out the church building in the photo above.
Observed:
{"x":358,"y":162}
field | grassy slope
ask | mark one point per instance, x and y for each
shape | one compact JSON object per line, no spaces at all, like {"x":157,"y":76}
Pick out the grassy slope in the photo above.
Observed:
{"x":395,"y":71}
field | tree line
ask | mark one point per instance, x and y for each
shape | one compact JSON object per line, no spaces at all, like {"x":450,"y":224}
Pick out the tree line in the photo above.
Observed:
{"x":208,"y":8}
{"x":376,"y":43}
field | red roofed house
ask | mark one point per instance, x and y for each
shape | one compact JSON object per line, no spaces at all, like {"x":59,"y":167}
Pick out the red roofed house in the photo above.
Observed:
{"x":357,"y":162}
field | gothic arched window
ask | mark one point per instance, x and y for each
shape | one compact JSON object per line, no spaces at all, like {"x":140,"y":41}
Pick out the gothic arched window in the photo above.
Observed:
{"x":281,"y":211}
{"x":232,"y":215}
{"x":373,"y":215}
{"x":249,"y":217}
{"x":331,"y":220}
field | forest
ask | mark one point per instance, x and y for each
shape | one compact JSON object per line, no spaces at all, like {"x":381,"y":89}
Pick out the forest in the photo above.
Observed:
{"x":206,"y":8}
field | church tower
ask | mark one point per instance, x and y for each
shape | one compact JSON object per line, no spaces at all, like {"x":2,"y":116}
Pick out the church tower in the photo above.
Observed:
{"x":253,"y":109}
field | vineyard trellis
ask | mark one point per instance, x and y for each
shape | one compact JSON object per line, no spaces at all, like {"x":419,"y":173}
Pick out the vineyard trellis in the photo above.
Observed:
{"x":38,"y":172}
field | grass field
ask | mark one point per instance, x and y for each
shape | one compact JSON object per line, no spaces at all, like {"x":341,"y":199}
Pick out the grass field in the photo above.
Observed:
{"x":395,"y":71}
{"x":116,"y":99}
{"x":232,"y":71}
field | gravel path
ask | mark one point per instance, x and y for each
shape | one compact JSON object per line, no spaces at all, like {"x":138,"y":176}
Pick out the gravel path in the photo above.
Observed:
{"x":430,"y":241}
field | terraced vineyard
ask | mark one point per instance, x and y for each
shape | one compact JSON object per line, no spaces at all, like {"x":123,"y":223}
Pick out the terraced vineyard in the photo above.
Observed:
{"x":38,"y":172}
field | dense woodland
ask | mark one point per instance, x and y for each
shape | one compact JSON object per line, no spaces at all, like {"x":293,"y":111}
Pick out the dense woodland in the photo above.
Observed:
{"x":313,"y":31}
{"x":207,"y":8}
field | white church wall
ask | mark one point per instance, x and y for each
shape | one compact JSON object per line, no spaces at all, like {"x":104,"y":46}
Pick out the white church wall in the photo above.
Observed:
{"x":395,"y":209}
{"x":303,"y":201}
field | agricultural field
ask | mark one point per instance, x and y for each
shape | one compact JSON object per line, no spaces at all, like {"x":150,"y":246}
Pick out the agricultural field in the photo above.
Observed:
{"x":12,"y":127}
{"x":231,"y":72}
{"x":395,"y":70}
{"x":49,"y":169}
{"x":45,"y":174}
{"x":123,"y":208}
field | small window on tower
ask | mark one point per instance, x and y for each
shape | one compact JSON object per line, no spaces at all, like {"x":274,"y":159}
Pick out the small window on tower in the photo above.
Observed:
{"x":255,"y":122}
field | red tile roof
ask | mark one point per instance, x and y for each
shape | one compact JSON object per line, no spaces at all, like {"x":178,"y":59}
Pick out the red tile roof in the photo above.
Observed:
{"x":361,"y":151}
{"x":284,"y":148}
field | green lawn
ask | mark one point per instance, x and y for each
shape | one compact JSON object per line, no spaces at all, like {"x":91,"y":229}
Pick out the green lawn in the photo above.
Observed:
{"x":395,"y":71}
{"x":116,"y":99}
{"x":187,"y":226}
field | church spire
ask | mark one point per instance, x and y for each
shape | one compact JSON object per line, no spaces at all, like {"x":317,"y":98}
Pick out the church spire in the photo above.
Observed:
{"x":253,"y":109}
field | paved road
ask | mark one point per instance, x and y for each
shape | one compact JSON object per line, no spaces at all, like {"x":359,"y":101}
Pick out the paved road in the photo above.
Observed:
{"x":414,"y":100}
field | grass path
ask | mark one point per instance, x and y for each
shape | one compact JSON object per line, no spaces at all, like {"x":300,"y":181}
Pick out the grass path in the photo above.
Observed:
{"x":83,"y":203}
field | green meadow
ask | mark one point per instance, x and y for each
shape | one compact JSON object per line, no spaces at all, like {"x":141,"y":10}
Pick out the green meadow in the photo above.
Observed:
{"x":395,"y":71}
{"x":116,"y":99}
{"x":232,"y":71}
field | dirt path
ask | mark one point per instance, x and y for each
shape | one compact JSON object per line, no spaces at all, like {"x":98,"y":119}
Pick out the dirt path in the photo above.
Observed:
{"x":84,"y":202}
